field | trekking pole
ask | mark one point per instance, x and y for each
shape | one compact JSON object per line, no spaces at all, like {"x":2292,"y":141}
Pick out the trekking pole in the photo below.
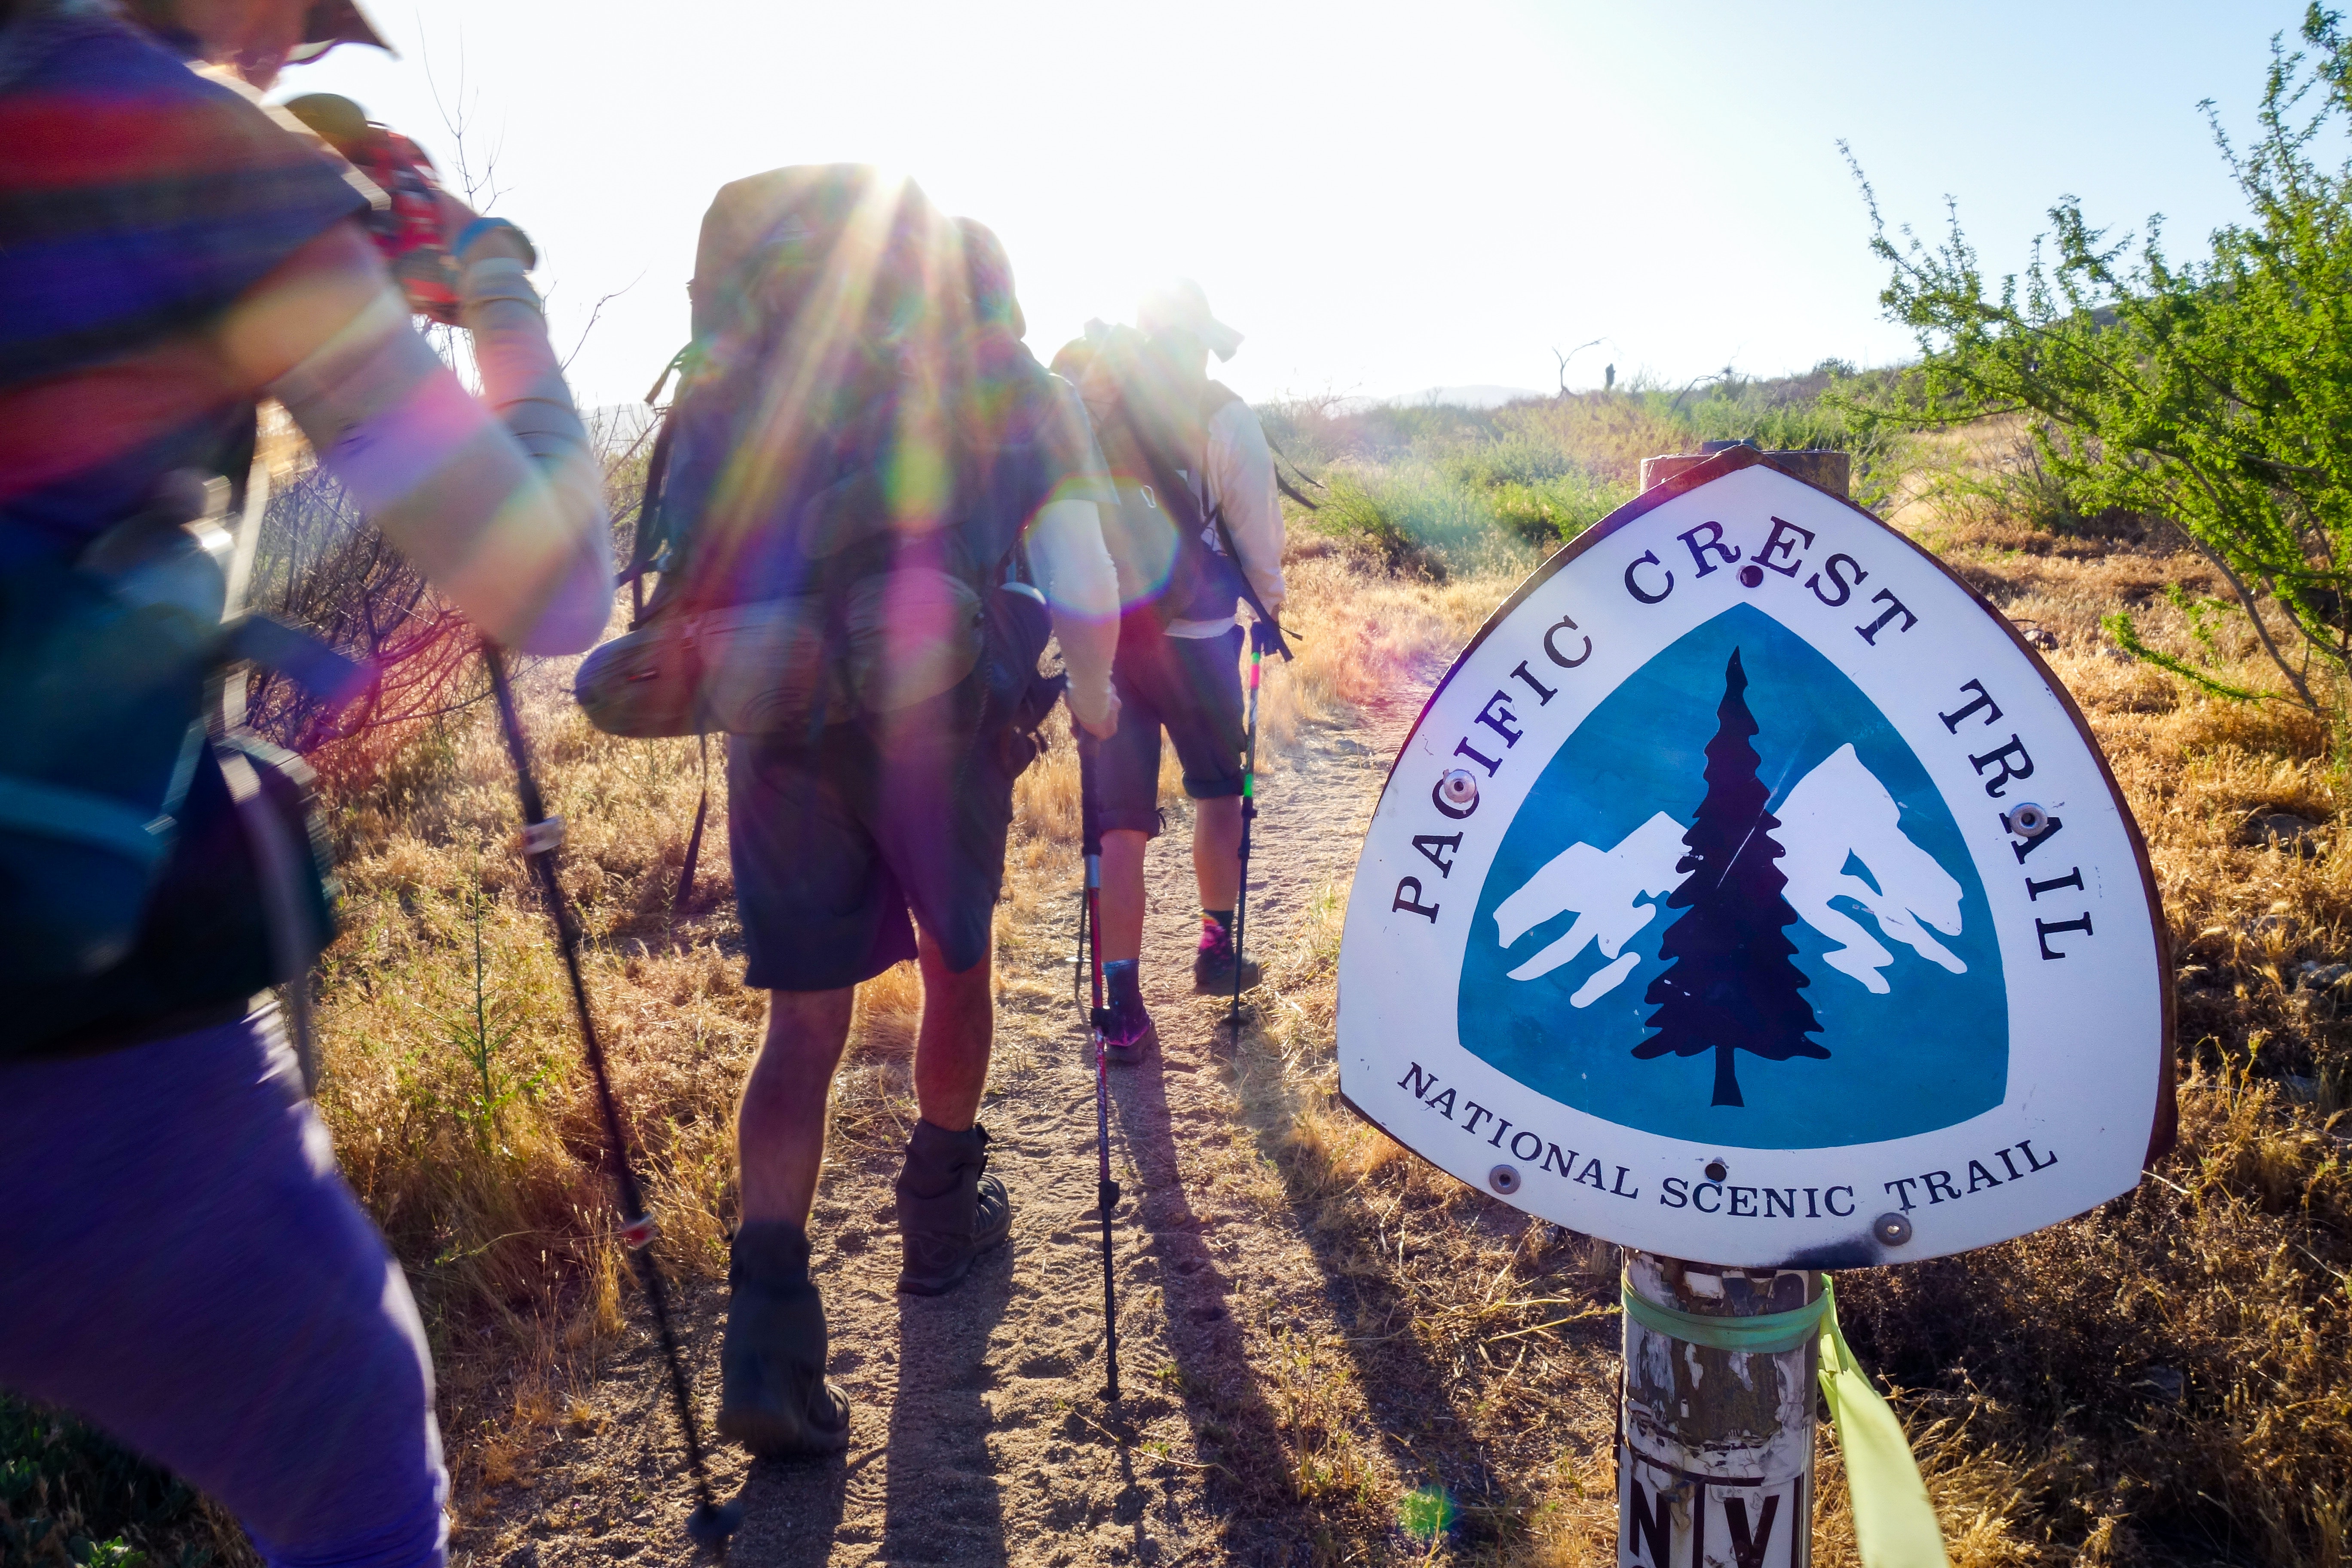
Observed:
{"x":1258,"y":640}
{"x":712,"y":1522}
{"x":1078,"y":965}
{"x":1098,"y":1023}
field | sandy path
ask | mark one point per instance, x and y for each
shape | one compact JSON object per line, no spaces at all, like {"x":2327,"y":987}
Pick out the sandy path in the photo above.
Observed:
{"x":979,"y":1435}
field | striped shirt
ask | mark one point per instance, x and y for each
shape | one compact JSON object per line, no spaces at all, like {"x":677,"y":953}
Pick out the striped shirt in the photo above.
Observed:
{"x":138,"y":201}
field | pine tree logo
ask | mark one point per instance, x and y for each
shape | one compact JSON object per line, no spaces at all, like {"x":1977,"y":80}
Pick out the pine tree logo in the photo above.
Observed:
{"x":1730,"y":983}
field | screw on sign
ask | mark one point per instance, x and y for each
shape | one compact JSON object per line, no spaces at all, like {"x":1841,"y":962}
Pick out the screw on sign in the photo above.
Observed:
{"x":1749,"y":892}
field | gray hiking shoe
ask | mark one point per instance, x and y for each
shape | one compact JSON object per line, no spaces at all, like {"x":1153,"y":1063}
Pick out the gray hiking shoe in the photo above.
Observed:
{"x":774,"y":1399}
{"x":1127,"y":1033}
{"x":1213,"y":964}
{"x":950,"y":1209}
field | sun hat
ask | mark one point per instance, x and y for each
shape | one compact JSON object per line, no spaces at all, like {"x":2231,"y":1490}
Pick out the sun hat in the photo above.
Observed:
{"x":331,"y":22}
{"x":1181,"y":308}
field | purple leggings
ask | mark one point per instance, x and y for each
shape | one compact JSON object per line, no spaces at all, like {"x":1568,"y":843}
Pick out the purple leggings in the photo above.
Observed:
{"x":182,"y":1264}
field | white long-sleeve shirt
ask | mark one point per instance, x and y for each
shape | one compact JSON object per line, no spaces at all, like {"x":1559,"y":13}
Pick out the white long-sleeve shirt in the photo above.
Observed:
{"x":1074,"y":567}
{"x":498,"y":498}
{"x":1237,"y":474}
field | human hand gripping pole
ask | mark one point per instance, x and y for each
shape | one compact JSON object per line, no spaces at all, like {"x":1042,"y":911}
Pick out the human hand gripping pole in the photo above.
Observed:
{"x":711,"y":1521}
{"x":1099,"y":1021}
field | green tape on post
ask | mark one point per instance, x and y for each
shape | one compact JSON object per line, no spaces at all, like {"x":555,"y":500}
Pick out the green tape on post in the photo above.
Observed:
{"x":1769,"y":1334}
{"x":1894,"y":1523}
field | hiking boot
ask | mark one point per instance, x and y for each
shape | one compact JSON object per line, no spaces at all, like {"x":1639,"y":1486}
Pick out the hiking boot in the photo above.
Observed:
{"x":774,"y":1399}
{"x":1213,"y":965}
{"x":1127,"y":1032}
{"x":950,"y":1209}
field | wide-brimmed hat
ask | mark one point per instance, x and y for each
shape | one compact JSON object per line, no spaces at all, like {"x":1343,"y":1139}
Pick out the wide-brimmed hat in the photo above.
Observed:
{"x":331,"y":22}
{"x":1182,"y":307}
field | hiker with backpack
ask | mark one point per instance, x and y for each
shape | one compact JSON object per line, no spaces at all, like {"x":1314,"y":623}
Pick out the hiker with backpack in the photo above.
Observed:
{"x":1200,"y":530}
{"x":182,"y":1264}
{"x":869,"y":505}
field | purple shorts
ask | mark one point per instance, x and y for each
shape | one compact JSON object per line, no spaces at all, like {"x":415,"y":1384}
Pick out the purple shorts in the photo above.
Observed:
{"x":183,"y":1266}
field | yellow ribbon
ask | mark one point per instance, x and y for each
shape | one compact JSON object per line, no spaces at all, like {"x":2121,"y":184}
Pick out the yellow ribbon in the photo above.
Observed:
{"x":1894,"y":1523}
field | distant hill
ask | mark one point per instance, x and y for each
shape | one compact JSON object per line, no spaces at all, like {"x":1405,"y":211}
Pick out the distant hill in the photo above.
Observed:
{"x":1483,"y":397}
{"x":1467,"y":396}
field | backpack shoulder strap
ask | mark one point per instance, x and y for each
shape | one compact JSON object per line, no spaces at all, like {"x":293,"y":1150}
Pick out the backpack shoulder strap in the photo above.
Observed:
{"x":1190,"y":516}
{"x":1215,"y":400}
{"x":652,"y":532}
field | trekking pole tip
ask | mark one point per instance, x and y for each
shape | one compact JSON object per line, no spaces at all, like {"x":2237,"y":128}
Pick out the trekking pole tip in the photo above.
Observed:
{"x":711,"y":1523}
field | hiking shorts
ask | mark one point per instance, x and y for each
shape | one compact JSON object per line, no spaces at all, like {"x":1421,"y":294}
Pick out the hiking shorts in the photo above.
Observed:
{"x":185,"y":1267}
{"x":1191,"y":687}
{"x":833,"y":849}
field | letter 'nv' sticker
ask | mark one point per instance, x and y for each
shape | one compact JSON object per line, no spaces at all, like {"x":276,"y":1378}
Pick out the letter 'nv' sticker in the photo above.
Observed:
{"x":1748,"y":891}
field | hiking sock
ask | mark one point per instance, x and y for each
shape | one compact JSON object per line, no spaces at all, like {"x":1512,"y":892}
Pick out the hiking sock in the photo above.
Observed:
{"x":1122,"y":983}
{"x":1128,"y":1030}
{"x":1217,"y":960}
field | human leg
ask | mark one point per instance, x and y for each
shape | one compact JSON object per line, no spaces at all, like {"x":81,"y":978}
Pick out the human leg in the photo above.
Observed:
{"x":1128,"y":792}
{"x":780,"y":1123}
{"x":1122,"y":897}
{"x":774,"y":1399}
{"x":950,"y":1209}
{"x":821,"y":913}
{"x":185,"y":1267}
{"x":1127,"y":788}
{"x":958,"y":1027}
{"x":946,"y":808}
{"x":1217,"y":851}
{"x":1206,"y":725}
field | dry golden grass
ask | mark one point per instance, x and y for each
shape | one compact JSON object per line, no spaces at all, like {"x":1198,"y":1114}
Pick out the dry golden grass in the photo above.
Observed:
{"x":2167,"y":1380}
{"x":480,"y":1165}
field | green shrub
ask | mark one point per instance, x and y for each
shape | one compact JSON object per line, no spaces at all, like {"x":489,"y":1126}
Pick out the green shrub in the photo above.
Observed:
{"x":1533,"y":486}
{"x":1554,"y":512}
{"x":1418,"y":519}
{"x":2212,"y":391}
{"x":1436,"y":488}
{"x":68,"y":1486}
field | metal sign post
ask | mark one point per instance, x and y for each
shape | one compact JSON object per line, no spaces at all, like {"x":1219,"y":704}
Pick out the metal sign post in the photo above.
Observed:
{"x":1749,"y":890}
{"x":1708,"y":1436}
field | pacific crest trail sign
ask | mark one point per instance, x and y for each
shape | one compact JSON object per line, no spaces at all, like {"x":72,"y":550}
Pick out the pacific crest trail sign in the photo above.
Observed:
{"x":1747,"y":890}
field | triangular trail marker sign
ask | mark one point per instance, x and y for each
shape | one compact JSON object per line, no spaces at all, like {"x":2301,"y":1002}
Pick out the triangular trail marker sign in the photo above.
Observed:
{"x":1748,"y":890}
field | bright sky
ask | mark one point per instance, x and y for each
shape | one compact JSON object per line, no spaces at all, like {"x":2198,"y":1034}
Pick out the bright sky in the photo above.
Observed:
{"x":1383,"y":197}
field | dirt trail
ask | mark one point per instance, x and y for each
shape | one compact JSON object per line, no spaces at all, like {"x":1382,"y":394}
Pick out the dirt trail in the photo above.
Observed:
{"x":979,"y":1435}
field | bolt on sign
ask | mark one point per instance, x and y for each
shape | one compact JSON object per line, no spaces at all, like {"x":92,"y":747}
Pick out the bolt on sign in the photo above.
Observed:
{"x":1749,"y":892}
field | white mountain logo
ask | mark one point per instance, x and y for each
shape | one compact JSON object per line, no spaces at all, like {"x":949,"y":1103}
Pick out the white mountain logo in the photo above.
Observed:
{"x":1838,"y":819}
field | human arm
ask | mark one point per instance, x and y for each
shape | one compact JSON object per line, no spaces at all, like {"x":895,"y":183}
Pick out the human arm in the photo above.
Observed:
{"x":502,"y":509}
{"x":1065,"y":547}
{"x":1241,"y":480}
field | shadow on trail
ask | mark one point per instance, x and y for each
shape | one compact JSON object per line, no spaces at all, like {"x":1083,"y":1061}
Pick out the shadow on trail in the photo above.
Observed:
{"x":1234,"y":1426}
{"x":942,"y":1503}
{"x":791,"y":1511}
{"x":1422,"y":1399}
